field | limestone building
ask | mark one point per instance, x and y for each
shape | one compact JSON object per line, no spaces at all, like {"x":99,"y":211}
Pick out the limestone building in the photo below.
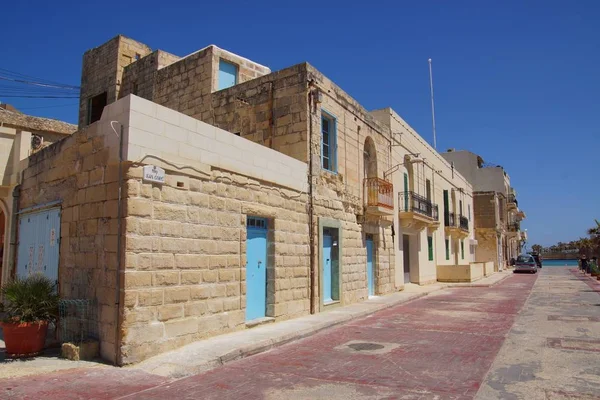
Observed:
{"x":497,"y":214}
{"x":247,"y":196}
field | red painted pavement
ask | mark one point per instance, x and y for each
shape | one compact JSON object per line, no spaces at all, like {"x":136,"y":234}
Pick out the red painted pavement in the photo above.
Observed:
{"x":443,"y":346}
{"x":591,"y":281}
{"x":71,"y":384}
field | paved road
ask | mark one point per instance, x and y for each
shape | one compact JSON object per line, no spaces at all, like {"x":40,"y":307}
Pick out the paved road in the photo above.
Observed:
{"x":439,"y":347}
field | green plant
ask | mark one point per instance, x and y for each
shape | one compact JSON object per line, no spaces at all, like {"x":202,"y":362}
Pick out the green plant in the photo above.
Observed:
{"x":29,"y":299}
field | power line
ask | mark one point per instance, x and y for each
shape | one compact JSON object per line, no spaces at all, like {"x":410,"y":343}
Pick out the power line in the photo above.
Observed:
{"x":5,"y":78}
{"x":39,"y":97}
{"x":54,"y":106}
{"x":17,"y":75}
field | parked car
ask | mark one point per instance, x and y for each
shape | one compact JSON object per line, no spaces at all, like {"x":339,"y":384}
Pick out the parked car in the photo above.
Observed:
{"x":527,"y":263}
{"x":538,"y":259}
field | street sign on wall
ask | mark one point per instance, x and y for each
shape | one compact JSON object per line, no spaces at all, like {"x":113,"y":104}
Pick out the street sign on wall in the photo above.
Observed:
{"x":154,"y":174}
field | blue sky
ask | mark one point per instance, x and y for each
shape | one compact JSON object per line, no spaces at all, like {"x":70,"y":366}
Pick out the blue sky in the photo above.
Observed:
{"x":516,"y":82}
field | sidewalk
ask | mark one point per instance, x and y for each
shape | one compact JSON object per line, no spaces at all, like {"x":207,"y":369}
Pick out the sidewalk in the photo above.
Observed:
{"x":208,"y":354}
{"x":552,"y":349}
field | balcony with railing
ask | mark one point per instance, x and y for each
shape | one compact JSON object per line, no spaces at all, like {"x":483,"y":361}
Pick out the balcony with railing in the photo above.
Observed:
{"x":417,"y":211}
{"x":456,"y":225}
{"x":513,"y":203}
{"x":513,"y":228}
{"x":463,"y":223}
{"x":379,"y":196}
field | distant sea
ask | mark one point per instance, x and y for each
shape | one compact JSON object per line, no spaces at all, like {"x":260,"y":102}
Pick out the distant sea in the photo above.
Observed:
{"x":559,"y":263}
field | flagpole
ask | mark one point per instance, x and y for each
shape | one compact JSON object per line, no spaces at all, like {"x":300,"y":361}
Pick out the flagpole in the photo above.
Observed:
{"x":432,"y":105}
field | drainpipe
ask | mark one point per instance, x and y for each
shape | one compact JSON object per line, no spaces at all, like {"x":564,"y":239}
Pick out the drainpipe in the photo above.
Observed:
{"x":272,"y":116}
{"x":311,"y":234}
{"x":119,"y":253}
{"x":12,"y":253}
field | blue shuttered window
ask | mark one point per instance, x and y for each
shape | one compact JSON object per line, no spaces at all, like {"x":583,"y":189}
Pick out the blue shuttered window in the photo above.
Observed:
{"x":228,"y":73}
{"x":328,"y":142}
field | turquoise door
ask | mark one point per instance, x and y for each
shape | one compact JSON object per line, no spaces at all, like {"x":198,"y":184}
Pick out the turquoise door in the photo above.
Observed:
{"x":256,"y":269}
{"x":327,"y":243}
{"x":370,"y":272}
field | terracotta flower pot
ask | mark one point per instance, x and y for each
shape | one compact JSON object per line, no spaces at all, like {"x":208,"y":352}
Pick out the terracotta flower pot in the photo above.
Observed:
{"x":24,"y":339}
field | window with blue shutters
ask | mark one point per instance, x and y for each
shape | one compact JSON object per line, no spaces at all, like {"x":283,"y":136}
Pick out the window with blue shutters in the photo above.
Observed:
{"x":228,"y":73}
{"x":328,"y":142}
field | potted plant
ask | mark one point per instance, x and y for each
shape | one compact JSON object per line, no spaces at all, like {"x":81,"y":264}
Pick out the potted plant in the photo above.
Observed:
{"x":29,"y":305}
{"x":594,"y":267}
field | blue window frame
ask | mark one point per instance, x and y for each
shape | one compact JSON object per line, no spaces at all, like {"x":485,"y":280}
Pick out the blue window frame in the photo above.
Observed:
{"x":328,"y":142}
{"x":228,"y":74}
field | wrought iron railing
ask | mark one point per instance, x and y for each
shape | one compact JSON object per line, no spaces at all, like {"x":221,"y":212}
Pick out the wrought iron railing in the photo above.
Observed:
{"x":412,"y":202}
{"x":450,"y":219}
{"x":463,"y":223}
{"x":514,"y":227}
{"x":379,"y":193}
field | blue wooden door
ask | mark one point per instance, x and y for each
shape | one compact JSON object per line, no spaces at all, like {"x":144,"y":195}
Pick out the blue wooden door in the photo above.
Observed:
{"x":327,"y":243}
{"x":370,"y":272}
{"x":39,"y":244}
{"x":256,"y":269}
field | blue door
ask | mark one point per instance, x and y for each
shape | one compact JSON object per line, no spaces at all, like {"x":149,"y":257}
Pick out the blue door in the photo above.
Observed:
{"x":327,"y":243}
{"x":256,"y":268}
{"x":39,"y":244}
{"x":370,"y":273}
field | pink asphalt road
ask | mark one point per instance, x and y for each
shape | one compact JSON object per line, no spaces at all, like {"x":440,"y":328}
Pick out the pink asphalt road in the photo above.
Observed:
{"x":440,"y":346}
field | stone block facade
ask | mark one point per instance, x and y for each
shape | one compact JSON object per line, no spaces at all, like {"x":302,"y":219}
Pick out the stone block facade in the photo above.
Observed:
{"x":186,"y":255}
{"x":182,"y":270}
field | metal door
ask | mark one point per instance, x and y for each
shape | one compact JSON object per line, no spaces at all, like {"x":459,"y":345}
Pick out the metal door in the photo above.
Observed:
{"x":327,"y":243}
{"x":256,"y":268}
{"x":39,"y":244}
{"x":370,"y":272}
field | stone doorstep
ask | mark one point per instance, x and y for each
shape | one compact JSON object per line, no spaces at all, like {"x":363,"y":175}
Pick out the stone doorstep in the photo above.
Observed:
{"x":211,"y":353}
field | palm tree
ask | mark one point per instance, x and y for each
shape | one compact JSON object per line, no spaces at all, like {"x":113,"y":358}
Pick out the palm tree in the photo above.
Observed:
{"x":536,"y":248}
{"x":595,"y":237}
{"x":595,"y":231}
{"x":585,"y":245}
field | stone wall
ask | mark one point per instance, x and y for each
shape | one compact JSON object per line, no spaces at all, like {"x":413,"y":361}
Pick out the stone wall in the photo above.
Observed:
{"x":186,"y":257}
{"x":486,"y":210}
{"x":487,"y":227}
{"x":78,"y":172}
{"x":102,"y":70}
{"x":339,"y":195}
{"x":185,"y":260}
{"x":270,"y":110}
{"x":184,"y":241}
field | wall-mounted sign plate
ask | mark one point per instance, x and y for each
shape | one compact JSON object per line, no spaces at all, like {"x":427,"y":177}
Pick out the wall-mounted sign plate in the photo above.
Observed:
{"x":154,"y":174}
